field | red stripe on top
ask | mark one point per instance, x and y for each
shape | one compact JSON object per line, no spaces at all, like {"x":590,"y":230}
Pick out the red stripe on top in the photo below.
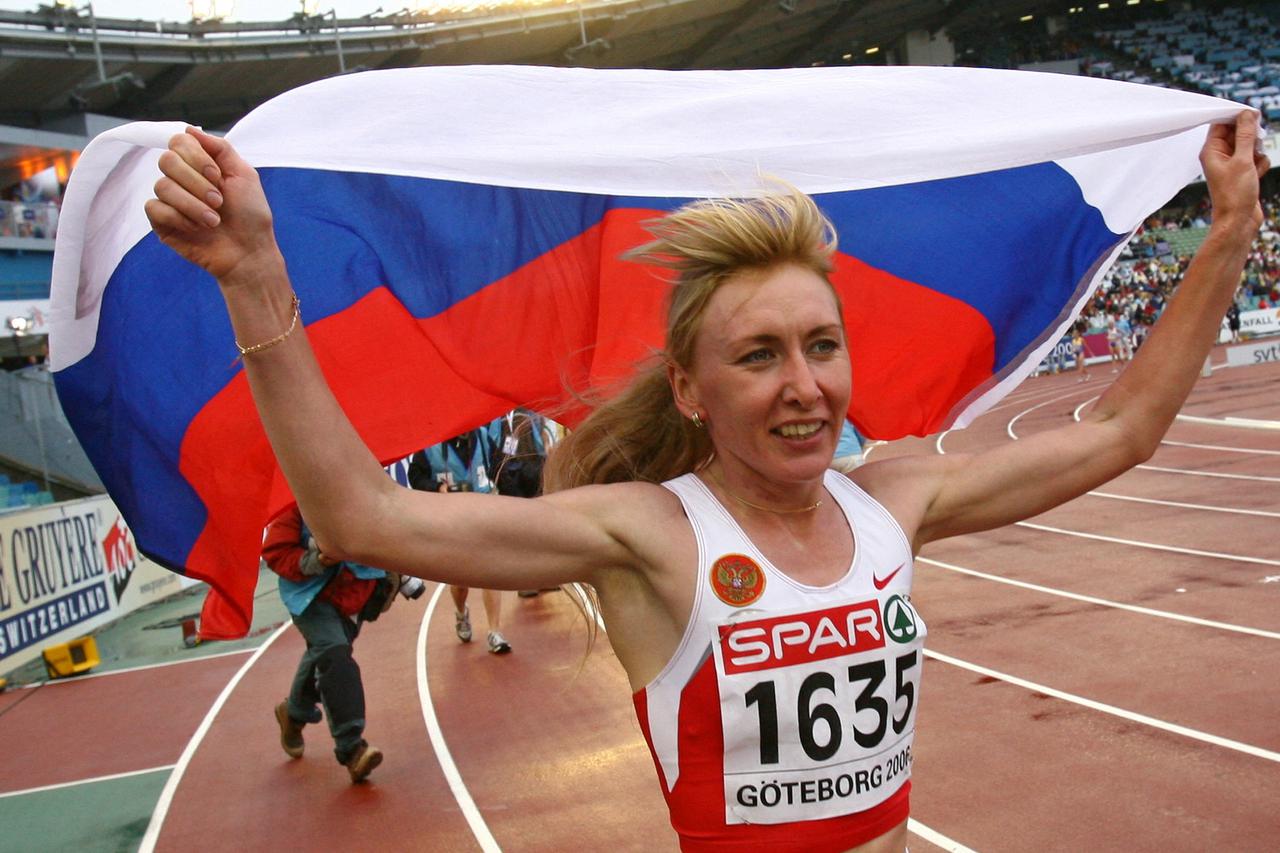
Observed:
{"x":916,"y":352}
{"x":696,"y":803}
{"x":575,"y":318}
{"x":529,"y":338}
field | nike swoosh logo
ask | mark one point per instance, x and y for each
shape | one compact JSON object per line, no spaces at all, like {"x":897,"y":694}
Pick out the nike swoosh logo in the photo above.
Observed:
{"x":881,"y":584}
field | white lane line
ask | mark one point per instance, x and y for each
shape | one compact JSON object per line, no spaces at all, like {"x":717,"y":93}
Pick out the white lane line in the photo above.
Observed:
{"x":936,"y":838}
{"x":1234,"y":510}
{"x":108,"y":778}
{"x":1103,"y":602}
{"x":479,"y":828}
{"x":1219,"y":447}
{"x":1247,"y":749}
{"x":1254,"y":477}
{"x":1151,"y":545}
{"x":1229,"y":421}
{"x":1111,"y":496}
{"x":913,"y":825}
{"x":1075,"y":413}
{"x":1009,"y":427}
{"x":161,"y":810}
{"x":91,"y":675}
{"x":1012,"y":400}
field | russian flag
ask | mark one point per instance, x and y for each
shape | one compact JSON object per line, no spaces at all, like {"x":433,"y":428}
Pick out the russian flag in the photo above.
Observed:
{"x":454,"y":236}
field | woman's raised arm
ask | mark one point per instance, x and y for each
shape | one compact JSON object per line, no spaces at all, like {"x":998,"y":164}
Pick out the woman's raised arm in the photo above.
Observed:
{"x":210,"y":209}
{"x":963,"y":493}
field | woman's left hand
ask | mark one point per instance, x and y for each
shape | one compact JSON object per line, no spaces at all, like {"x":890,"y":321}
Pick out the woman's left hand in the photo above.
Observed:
{"x":1233,"y":167}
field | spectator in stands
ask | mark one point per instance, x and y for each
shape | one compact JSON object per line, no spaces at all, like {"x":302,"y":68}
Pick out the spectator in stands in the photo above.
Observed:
{"x":462,"y":464}
{"x":1125,"y":331}
{"x":1140,"y":330}
{"x":328,"y":601}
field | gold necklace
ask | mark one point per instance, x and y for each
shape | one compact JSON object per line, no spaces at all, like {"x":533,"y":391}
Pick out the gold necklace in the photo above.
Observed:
{"x":746,"y":502}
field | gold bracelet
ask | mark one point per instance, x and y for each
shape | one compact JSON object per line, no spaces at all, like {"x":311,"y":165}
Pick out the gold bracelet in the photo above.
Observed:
{"x":278,"y":338}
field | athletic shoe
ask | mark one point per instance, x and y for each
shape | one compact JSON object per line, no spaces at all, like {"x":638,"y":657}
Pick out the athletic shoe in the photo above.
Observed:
{"x":290,"y":731}
{"x":462,"y":624}
{"x":362,"y":762}
{"x":497,"y":644}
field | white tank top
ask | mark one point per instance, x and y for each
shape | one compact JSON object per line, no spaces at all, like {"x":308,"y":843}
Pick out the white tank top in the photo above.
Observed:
{"x":817,"y":686}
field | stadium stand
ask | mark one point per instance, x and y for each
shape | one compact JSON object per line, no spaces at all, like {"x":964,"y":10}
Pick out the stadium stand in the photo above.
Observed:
{"x":1232,"y":52}
{"x":185,"y":70}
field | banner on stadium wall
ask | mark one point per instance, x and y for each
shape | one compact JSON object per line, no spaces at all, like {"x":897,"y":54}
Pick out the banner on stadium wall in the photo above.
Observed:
{"x":67,"y":568}
{"x":1264,"y":322}
{"x":1265,"y":352}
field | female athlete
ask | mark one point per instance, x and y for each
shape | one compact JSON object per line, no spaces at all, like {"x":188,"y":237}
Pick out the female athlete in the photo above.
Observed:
{"x":759,"y":602}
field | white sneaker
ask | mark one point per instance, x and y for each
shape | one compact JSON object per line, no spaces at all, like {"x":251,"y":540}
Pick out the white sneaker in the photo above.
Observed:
{"x":462,"y":624}
{"x":497,"y":644}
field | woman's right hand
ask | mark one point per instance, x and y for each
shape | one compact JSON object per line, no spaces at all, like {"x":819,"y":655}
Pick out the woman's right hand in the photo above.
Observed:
{"x":210,"y":208}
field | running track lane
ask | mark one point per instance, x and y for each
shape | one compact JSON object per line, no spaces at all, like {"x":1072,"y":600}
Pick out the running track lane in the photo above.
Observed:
{"x":546,"y":741}
{"x":1007,"y":769}
{"x":72,"y":729}
{"x":241,"y":792}
{"x":1110,"y":783}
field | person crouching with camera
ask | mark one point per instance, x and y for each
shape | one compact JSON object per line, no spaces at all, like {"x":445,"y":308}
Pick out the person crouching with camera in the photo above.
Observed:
{"x":328,"y":601}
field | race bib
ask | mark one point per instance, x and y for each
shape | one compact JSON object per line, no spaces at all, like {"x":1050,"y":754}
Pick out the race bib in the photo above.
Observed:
{"x":818,"y":709}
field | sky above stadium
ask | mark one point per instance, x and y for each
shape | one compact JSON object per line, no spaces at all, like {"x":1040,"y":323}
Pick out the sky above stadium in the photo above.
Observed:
{"x":249,"y":10}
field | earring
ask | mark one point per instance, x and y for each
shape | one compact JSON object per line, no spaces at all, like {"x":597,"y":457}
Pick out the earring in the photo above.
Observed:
{"x":697,"y":420}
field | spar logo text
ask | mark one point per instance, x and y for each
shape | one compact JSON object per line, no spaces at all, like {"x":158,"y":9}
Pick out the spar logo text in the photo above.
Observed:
{"x":801,"y":638}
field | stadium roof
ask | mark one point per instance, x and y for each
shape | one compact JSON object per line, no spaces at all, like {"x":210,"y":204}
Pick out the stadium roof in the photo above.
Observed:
{"x":57,"y":62}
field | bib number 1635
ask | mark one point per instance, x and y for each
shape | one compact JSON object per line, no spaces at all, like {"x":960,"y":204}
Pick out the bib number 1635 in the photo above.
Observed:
{"x":813,"y":706}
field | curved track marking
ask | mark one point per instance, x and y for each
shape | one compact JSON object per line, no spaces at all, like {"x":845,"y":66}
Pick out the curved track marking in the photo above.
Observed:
{"x":1254,"y":477}
{"x":1259,"y":512}
{"x":1215,"y":740}
{"x":1009,"y":426}
{"x":1151,"y":545}
{"x":108,"y":778}
{"x":91,"y":675}
{"x":1103,"y":602}
{"x":936,"y":838}
{"x":1180,"y":505}
{"x":1010,"y":401}
{"x":460,"y":793}
{"x":1221,"y":448}
{"x":1075,"y":413}
{"x":1229,"y":421}
{"x":152,"y":835}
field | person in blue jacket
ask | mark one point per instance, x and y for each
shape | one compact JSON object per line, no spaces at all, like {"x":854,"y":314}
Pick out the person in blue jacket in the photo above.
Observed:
{"x":462,"y":464}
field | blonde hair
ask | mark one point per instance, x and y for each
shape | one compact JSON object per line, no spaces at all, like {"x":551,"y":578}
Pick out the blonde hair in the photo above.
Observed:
{"x":639,"y":434}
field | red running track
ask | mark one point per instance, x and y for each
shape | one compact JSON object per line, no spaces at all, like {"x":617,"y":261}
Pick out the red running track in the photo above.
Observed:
{"x":1048,"y":722}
